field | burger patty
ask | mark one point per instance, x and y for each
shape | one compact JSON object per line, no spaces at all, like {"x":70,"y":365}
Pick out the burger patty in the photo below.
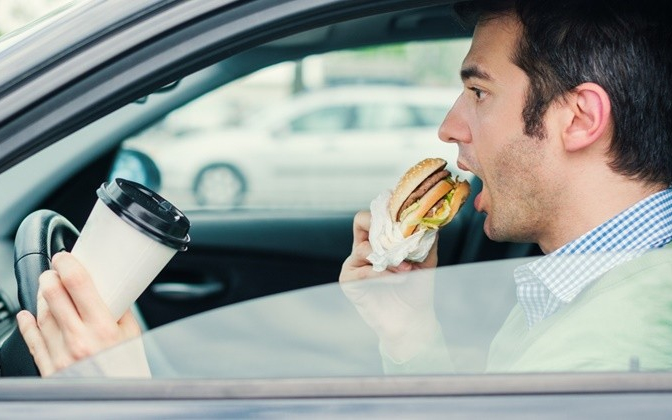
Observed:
{"x":432,"y":212}
{"x":422,"y":189}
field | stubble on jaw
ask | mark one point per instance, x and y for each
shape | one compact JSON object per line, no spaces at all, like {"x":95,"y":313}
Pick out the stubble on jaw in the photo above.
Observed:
{"x":524,"y":197}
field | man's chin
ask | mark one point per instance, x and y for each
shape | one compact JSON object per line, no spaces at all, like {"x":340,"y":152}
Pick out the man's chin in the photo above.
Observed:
{"x":493,"y":232}
{"x":487,"y":228}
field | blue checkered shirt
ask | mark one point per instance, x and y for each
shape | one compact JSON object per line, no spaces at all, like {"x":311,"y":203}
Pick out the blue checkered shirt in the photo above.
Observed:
{"x":553,"y":281}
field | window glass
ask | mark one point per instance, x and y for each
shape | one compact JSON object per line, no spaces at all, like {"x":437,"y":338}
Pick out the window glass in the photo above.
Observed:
{"x":329,"y":131}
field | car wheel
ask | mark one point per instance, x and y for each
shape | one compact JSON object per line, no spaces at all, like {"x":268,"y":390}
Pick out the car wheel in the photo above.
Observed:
{"x":220,"y":185}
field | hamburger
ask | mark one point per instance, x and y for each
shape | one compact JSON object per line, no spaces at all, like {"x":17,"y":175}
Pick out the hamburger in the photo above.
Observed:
{"x":427,"y":197}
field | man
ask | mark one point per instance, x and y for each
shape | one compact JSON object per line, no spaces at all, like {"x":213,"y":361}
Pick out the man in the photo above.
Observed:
{"x":565,"y":117}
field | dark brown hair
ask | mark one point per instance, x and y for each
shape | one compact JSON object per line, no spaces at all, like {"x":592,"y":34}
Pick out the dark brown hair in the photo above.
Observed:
{"x":621,"y":45}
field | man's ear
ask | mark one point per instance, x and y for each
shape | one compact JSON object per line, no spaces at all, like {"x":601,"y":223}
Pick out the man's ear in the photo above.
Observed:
{"x":590,"y":115}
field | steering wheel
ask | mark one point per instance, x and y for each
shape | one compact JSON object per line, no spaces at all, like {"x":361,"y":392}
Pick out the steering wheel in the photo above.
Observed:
{"x":42,"y":234}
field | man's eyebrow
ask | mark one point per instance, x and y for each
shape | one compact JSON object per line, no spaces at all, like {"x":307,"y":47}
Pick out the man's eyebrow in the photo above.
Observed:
{"x":474,"y":72}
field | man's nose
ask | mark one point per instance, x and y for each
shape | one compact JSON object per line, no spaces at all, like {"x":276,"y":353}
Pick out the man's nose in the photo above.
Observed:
{"x":454,"y":128}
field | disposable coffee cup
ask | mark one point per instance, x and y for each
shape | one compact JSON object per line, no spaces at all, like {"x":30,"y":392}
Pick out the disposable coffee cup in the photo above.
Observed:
{"x":130,"y":235}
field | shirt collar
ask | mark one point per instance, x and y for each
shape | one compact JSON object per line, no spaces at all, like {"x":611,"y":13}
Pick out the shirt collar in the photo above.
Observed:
{"x":570,"y":269}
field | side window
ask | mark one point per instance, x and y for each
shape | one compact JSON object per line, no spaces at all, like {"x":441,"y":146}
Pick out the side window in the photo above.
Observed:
{"x":246,"y":143}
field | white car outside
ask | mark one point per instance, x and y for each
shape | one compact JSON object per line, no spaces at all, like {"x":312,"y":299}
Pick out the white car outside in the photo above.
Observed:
{"x":311,"y":151}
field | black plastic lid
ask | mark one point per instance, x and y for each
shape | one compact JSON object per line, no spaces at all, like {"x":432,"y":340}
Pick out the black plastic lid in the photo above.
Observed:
{"x":146,"y":211}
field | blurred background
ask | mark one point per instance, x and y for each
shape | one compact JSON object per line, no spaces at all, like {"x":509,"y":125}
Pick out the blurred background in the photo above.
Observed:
{"x":16,"y":13}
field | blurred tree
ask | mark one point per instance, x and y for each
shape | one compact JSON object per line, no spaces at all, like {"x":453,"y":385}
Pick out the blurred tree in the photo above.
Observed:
{"x":298,"y":84}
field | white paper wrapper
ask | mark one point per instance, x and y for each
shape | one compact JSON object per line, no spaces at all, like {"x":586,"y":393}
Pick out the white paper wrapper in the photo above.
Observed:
{"x":390,"y":247}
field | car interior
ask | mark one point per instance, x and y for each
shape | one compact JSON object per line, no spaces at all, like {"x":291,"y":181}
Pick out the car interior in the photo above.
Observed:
{"x":239,"y":254}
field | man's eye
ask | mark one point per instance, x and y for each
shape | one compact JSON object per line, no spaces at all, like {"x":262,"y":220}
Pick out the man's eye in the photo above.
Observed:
{"x":477,"y":92}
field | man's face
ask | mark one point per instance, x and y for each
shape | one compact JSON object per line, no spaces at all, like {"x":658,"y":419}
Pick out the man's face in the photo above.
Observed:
{"x":486,"y":122}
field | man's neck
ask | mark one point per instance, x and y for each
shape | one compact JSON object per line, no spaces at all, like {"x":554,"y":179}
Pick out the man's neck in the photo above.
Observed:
{"x":593,"y":206}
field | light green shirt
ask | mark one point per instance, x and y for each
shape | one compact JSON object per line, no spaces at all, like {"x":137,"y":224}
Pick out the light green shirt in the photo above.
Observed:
{"x":621,"y":322}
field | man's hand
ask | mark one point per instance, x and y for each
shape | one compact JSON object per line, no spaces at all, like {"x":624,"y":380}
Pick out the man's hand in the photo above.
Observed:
{"x":400,"y":310}
{"x":357,"y":267}
{"x":72,"y":321}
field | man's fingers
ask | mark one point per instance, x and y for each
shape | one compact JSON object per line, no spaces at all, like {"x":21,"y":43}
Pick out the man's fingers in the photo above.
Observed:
{"x":72,"y":321}
{"x":361,"y":251}
{"x":403,"y":267}
{"x":129,"y":325}
{"x":356,"y":263}
{"x":432,"y":259}
{"x":81,"y":289}
{"x":360,"y":273}
{"x":35,"y":342}
{"x":51,"y":332}
{"x":360,"y":227}
{"x":54,"y":303}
